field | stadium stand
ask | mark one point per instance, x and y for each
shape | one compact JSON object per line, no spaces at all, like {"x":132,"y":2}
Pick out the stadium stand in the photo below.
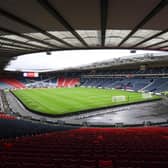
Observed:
{"x":89,"y":148}
{"x":147,"y":80}
{"x":67,"y":82}
{"x":135,"y":79}
{"x":4,"y":85}
{"x":154,"y":84}
{"x":12,"y":127}
{"x":30,"y":27}
{"x":44,"y":82}
{"x":38,"y":82}
{"x":12,"y":82}
{"x":6,"y":116}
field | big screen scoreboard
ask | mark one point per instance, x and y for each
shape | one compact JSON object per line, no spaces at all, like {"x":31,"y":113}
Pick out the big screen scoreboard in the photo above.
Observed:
{"x":31,"y":74}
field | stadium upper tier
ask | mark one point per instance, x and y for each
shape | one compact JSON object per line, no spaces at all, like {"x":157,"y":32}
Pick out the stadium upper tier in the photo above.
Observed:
{"x":133,"y":71}
{"x":34,"y":26}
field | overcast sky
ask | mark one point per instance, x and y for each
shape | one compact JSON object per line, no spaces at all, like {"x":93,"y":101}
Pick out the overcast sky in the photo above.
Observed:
{"x":64,"y":59}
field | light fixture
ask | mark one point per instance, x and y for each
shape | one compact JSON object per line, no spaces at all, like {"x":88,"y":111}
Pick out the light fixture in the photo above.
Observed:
{"x":132,"y":51}
{"x":48,"y":52}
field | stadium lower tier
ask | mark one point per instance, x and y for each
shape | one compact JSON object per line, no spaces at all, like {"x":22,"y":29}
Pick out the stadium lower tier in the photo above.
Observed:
{"x":33,"y":83}
{"x":67,"y":82}
{"x":153,"y":84}
{"x":11,"y":83}
{"x":89,"y":148}
{"x":144,"y":84}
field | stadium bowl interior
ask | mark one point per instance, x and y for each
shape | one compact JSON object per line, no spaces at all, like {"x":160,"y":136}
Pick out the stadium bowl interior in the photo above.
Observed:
{"x":111,"y":114}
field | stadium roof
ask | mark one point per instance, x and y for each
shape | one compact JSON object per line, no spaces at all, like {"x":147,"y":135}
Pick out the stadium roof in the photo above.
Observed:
{"x":28,"y":26}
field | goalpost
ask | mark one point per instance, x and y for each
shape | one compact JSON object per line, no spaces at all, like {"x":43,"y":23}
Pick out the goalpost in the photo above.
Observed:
{"x":122,"y":98}
{"x":117,"y":99}
{"x":147,"y":95}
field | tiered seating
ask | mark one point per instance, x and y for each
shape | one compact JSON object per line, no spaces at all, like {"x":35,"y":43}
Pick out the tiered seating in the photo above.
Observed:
{"x":89,"y":148}
{"x":12,"y":128}
{"x":5,"y":85}
{"x":74,"y":82}
{"x":38,"y":82}
{"x":162,"y":87}
{"x":60,"y":82}
{"x":6,"y":116}
{"x":67,"y":82}
{"x":157,"y":85}
{"x":99,"y":82}
{"x":138,"y":84}
{"x":148,"y":84}
{"x":13,"y":83}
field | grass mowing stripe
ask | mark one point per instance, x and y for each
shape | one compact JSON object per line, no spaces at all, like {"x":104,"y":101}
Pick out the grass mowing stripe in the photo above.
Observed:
{"x":54,"y":103}
{"x":61,"y":102}
{"x":34,"y":102}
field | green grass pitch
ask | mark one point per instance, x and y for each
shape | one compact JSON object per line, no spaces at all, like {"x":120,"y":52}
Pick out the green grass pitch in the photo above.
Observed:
{"x":56,"y":101}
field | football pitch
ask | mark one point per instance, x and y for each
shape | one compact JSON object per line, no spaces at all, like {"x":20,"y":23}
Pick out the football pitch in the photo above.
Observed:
{"x":59,"y":101}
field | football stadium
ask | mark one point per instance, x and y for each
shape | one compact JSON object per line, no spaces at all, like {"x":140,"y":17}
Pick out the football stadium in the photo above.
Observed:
{"x":84,"y":84}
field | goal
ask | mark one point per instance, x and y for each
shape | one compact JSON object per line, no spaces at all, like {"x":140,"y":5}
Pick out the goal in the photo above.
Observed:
{"x":116,"y":99}
{"x":147,"y":95}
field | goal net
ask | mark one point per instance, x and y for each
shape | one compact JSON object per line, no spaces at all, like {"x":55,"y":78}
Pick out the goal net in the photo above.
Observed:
{"x":118,"y":99}
{"x":146,"y":95}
